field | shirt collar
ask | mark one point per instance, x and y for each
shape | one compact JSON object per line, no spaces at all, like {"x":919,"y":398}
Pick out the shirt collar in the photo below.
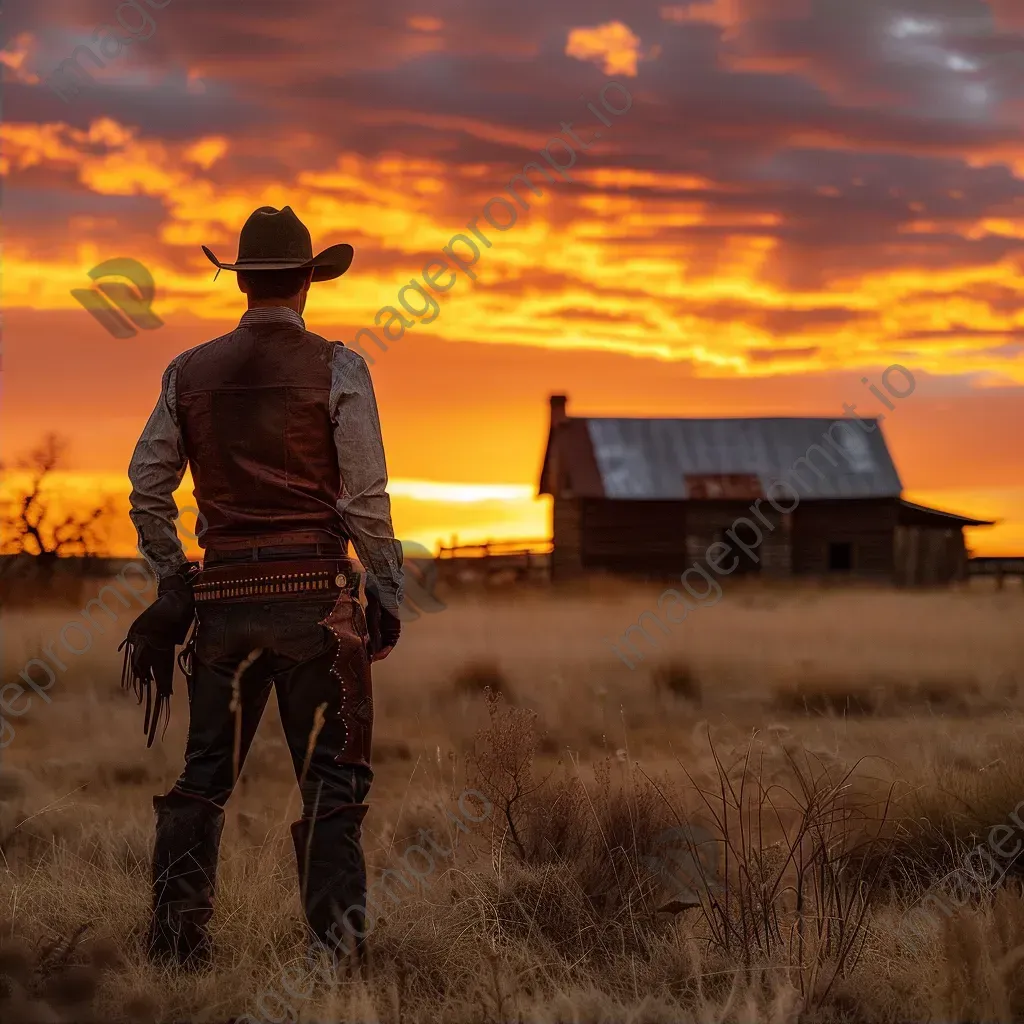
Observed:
{"x":271,"y":314}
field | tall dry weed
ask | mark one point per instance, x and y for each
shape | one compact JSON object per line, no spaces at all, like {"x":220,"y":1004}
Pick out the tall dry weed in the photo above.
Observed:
{"x":803,"y":859}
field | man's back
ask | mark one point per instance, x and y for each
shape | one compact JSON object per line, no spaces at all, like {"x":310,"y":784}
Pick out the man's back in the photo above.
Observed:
{"x":281,"y":430}
{"x":254,"y":408}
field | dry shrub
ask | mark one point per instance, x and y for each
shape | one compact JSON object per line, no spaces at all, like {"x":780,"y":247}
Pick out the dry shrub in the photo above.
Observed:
{"x":477,"y":677}
{"x":972,"y":963}
{"x":385,"y":751}
{"x":570,"y":860}
{"x":51,"y":983}
{"x":826,"y":694}
{"x":804,"y":862}
{"x":678,"y":679}
{"x":951,"y":813}
{"x":396,"y":835}
{"x":952,"y":694}
{"x":573,"y":861}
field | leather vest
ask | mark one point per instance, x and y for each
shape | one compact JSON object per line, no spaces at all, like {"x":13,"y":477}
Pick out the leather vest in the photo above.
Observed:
{"x":254,"y":410}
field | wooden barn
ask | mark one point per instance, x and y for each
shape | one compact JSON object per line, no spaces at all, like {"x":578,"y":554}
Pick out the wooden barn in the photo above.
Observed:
{"x":782,"y":497}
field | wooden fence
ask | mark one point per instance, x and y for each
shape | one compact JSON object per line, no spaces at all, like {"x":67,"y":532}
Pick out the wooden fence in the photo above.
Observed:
{"x":495,"y":561}
{"x":998,"y":568}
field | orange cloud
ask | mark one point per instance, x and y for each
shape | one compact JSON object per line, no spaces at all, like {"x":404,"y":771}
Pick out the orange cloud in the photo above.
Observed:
{"x":725,"y":13}
{"x":612,"y":45}
{"x":633,"y":240}
{"x":425,"y":23}
{"x":13,"y":57}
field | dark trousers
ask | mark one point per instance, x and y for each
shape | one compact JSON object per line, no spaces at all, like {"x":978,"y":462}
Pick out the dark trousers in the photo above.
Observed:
{"x":241,"y":652}
{"x":285,"y":649}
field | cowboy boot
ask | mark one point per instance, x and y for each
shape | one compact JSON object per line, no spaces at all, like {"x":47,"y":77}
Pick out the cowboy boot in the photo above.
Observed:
{"x":332,"y":884}
{"x":188,"y":831}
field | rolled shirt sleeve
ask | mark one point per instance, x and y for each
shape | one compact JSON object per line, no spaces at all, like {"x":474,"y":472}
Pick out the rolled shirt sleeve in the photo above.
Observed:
{"x":364,"y":504}
{"x":155,"y":471}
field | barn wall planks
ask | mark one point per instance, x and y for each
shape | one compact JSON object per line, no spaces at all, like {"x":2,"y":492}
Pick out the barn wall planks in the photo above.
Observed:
{"x":641,"y":537}
{"x":927,"y":555}
{"x":832,"y":539}
{"x":868,"y":526}
{"x":565,"y":535}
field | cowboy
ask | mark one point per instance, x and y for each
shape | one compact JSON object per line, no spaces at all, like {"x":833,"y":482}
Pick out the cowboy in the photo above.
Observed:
{"x":280,"y":430}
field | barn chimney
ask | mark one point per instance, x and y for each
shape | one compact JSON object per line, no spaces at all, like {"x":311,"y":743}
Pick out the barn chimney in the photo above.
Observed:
{"x":558,"y":410}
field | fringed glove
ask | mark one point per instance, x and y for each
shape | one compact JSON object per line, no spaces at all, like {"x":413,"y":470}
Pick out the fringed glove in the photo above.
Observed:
{"x":149,"y":646}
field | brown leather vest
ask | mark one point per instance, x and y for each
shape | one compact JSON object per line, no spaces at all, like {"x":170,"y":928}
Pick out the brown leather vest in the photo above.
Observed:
{"x":254,"y":409}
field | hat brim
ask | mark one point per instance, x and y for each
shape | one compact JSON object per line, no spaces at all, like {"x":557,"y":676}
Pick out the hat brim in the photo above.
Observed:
{"x":326,"y":265}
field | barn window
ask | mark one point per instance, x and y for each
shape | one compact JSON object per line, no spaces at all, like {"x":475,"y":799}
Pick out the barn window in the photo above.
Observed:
{"x":840,"y":557}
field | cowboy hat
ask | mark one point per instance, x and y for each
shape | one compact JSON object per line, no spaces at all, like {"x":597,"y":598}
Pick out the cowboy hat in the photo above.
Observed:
{"x":277,"y":240}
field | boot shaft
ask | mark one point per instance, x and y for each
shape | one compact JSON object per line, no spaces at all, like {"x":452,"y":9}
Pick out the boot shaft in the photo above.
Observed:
{"x":332,"y":878}
{"x":185,"y":852}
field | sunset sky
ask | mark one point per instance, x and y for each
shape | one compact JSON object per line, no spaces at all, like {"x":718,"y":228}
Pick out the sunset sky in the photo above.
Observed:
{"x":801,"y":194}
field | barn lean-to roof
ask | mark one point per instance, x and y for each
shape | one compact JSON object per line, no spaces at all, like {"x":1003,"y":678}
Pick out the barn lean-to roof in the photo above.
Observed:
{"x":913,"y":514}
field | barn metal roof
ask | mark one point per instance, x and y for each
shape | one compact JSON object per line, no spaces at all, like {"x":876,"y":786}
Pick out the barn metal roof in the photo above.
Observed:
{"x":651,"y":458}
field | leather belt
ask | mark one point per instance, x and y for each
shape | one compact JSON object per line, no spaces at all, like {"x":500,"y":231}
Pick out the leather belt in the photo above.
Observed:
{"x":247,"y":581}
{"x":271,"y":540}
{"x":275,"y":552}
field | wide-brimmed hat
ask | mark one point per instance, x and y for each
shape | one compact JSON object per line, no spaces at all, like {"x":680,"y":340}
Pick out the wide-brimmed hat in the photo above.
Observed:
{"x":277,"y":240}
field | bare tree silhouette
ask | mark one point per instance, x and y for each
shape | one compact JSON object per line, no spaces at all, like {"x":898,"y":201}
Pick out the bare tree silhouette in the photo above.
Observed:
{"x":29,"y":524}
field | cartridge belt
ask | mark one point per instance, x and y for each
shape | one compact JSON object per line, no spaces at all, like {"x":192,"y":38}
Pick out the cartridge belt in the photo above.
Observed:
{"x":247,"y":581}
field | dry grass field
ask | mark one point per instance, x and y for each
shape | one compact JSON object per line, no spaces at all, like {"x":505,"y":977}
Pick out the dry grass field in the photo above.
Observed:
{"x":846,"y":749}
